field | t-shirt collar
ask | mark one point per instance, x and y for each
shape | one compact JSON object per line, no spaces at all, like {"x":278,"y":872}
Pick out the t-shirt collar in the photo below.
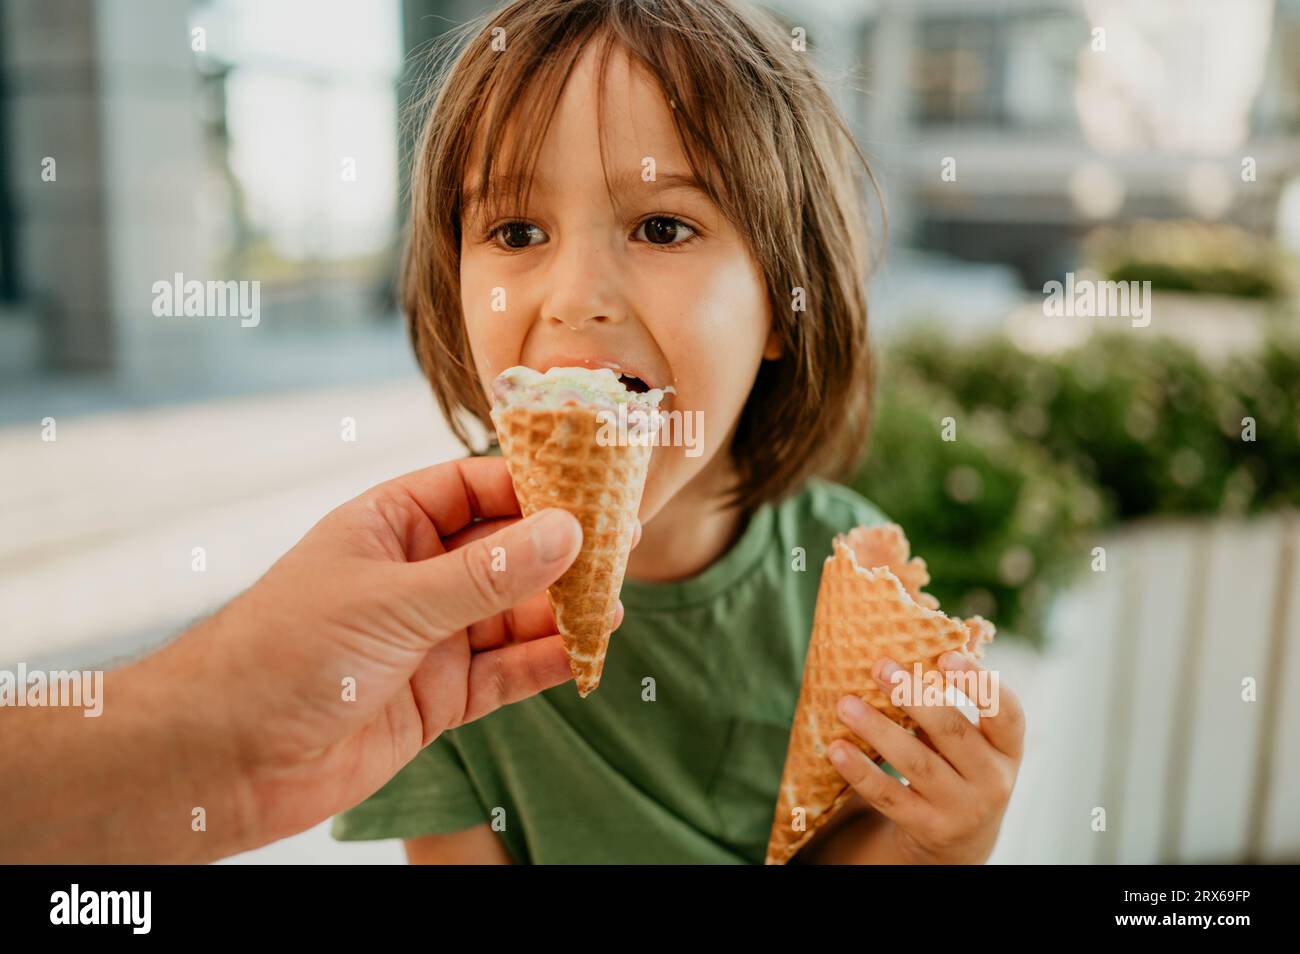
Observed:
{"x":741,"y":559}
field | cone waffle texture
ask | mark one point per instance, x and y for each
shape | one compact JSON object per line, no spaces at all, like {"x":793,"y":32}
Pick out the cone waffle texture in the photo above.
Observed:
{"x":869,"y":605}
{"x":556,"y":461}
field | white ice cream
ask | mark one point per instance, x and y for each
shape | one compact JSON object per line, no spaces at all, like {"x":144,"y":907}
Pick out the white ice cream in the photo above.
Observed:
{"x":599,"y":387}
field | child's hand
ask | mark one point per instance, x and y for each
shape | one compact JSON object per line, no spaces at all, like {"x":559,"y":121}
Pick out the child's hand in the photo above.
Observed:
{"x":960,"y":774}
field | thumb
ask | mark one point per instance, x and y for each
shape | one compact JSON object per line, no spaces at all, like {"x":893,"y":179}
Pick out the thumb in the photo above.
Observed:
{"x":496,"y":572}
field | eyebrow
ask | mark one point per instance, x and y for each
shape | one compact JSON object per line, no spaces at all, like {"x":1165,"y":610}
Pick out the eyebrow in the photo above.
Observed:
{"x":621,"y":183}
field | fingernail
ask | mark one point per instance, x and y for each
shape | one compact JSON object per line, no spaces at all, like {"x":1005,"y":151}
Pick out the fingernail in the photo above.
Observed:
{"x":951,"y":660}
{"x":553,"y":535}
{"x":839,"y":754}
{"x":851,"y":707}
{"x":889,"y":671}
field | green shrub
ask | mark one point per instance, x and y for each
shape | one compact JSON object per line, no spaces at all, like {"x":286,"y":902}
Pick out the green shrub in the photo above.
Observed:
{"x":1264,"y":473}
{"x":999,"y":523}
{"x":1136,"y":413}
{"x":1190,"y":256}
{"x":1048,"y":448}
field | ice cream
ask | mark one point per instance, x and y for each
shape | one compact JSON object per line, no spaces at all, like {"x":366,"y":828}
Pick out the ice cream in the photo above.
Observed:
{"x":600,"y":387}
{"x":554,"y":430}
{"x":870,"y":605}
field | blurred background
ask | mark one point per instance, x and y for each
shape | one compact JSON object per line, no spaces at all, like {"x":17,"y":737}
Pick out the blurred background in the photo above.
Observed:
{"x":1119,"y":499}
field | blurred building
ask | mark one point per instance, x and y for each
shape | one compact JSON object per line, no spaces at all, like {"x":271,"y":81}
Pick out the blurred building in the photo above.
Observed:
{"x":99,"y":161}
{"x":263,"y":141}
{"x":220,"y":140}
{"x":1005,"y":129}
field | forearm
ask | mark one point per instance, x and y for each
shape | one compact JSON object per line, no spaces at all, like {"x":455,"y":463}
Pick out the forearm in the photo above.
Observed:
{"x":124,"y":787}
{"x":474,"y":846}
{"x":865,"y":837}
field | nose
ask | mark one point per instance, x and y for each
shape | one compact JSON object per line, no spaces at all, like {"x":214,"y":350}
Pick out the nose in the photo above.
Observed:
{"x":583,"y":286}
{"x":579,"y":323}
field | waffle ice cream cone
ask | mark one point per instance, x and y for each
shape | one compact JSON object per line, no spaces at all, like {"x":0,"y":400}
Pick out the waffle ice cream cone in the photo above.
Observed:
{"x":550,"y":429}
{"x":869,"y":605}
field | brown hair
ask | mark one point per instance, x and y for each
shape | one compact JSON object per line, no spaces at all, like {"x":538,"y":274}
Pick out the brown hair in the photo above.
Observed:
{"x":744,"y":100}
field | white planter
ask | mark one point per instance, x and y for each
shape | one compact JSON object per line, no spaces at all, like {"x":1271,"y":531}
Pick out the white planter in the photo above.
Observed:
{"x":1138,"y":707}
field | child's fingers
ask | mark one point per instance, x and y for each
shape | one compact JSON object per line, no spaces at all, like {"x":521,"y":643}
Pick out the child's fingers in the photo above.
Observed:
{"x":924,"y":769}
{"x":877,"y":788}
{"x":945,"y":727}
{"x":1004,"y":725}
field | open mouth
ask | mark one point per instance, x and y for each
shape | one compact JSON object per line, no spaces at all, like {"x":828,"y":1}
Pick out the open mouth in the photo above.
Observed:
{"x":634,"y":384}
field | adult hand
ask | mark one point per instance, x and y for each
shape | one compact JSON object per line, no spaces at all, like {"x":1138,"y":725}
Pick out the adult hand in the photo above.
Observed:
{"x":414,"y":608}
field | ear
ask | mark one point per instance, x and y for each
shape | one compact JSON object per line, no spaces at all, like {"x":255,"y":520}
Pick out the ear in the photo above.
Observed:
{"x":772,"y":349}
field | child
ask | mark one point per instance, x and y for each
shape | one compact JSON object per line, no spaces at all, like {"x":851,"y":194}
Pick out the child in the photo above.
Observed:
{"x":663,"y":187}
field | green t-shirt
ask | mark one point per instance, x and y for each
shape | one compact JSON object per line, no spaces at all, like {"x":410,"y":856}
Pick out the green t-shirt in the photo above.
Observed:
{"x":677,"y":756}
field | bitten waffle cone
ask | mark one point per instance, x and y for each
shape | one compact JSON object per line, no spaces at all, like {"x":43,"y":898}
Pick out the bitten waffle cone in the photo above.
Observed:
{"x":555,"y":460}
{"x":869,"y":605}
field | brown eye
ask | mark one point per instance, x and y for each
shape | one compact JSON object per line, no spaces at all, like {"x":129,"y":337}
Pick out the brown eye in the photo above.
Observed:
{"x":665,"y":230}
{"x":518,"y":234}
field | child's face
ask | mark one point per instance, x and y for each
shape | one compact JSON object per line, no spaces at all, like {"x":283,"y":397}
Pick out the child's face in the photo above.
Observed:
{"x":656,"y":283}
